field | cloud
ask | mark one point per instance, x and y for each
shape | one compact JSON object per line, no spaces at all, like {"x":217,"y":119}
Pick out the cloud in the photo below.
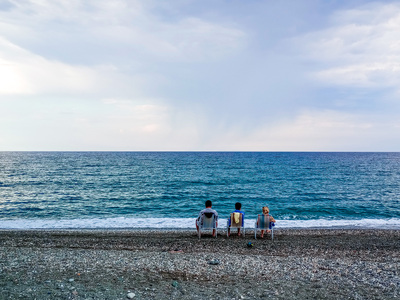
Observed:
{"x":368,"y":75}
{"x":316,"y":130}
{"x":107,"y":30}
{"x":25,"y":73}
{"x":138,"y":117}
{"x":78,"y":124}
{"x":69,"y":47}
{"x":360,"y":48}
{"x":142,"y":75}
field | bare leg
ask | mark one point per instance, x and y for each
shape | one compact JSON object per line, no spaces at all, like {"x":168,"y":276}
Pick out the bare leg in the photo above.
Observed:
{"x":238,"y":231}
{"x":213,"y":232}
{"x":262,"y":233}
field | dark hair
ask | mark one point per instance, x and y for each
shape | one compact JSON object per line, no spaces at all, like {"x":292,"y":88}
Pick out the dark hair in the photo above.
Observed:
{"x":208,"y":203}
{"x":238,"y":205}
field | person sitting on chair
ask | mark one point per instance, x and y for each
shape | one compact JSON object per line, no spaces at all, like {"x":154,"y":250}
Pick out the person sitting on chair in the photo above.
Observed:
{"x":265,"y":211}
{"x":208,"y":210}
{"x":238,"y":206}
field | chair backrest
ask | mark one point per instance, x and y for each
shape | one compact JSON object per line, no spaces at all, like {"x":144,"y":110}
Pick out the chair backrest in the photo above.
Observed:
{"x":236,"y":219}
{"x":263,"y":221}
{"x":208,"y":220}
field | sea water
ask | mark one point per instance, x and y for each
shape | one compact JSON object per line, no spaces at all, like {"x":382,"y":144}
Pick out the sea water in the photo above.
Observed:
{"x":168,"y":189}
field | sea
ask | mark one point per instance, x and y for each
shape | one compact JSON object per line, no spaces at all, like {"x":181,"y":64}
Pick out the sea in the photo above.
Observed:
{"x":166,"y":190}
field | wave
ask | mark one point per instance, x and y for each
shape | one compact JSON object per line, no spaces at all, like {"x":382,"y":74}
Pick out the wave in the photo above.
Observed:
{"x":186,"y":223}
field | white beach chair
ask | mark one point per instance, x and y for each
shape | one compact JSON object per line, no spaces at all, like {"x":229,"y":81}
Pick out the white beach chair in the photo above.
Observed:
{"x":236,"y":221}
{"x":207,"y":222}
{"x":263,"y":223}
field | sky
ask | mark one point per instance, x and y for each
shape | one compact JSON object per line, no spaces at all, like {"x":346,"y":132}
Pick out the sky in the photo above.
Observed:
{"x":209,"y":75}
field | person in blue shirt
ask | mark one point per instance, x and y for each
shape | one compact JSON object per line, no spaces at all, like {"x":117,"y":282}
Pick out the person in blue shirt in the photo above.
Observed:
{"x":238,"y":206}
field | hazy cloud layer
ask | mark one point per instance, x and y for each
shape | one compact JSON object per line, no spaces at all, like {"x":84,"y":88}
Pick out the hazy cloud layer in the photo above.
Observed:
{"x":210,"y":75}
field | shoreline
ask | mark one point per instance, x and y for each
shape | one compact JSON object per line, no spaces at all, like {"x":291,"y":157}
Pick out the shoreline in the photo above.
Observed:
{"x":175,"y":264}
{"x":192,"y":229}
{"x":188,"y":223}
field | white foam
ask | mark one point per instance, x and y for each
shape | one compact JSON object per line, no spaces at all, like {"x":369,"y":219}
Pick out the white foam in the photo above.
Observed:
{"x":186,"y":223}
{"x":323,"y":223}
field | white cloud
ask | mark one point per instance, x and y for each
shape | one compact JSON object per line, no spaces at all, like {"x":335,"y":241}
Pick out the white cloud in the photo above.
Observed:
{"x":128,"y":28}
{"x":137,"y":116}
{"x":361,"y":47}
{"x":314,"y":130}
{"x":374,"y":74}
{"x":23,"y":72}
{"x":134,"y":75}
{"x":90,"y":47}
{"x":13,"y":79}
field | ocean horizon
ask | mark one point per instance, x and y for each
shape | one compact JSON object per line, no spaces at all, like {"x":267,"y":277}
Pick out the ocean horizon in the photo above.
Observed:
{"x":110,"y":190}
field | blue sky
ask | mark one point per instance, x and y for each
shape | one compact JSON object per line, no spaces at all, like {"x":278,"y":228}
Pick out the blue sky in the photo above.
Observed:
{"x":129,"y":75}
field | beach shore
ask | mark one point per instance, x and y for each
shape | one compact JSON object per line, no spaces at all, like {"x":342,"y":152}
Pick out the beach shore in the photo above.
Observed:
{"x":154,"y":264}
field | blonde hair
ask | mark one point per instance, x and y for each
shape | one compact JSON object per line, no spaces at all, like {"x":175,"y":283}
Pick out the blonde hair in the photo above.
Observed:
{"x":265,"y":210}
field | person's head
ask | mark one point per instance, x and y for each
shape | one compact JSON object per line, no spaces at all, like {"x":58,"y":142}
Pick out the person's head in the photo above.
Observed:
{"x":208,"y":203}
{"x":238,"y":205}
{"x":265,"y":210}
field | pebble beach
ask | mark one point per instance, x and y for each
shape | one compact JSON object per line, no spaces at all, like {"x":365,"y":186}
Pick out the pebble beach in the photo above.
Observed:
{"x":176,"y":264}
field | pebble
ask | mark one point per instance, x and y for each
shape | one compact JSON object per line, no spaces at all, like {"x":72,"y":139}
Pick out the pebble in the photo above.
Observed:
{"x":214,"y":262}
{"x":175,"y":284}
{"x":271,"y":273}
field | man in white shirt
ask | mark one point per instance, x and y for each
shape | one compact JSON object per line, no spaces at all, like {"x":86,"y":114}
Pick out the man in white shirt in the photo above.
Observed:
{"x":206,"y":212}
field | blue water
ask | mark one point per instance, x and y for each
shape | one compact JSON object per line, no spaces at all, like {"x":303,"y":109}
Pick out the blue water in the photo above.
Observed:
{"x":156,"y":189}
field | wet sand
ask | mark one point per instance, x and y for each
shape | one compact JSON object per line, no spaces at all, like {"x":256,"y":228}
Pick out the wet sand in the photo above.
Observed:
{"x":151,"y":264}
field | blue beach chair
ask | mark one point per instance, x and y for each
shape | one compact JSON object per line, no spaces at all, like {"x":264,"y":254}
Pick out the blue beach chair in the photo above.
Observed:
{"x":236,"y":220}
{"x":263,"y":222}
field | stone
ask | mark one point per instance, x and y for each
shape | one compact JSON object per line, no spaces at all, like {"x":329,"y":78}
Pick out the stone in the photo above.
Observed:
{"x":131,"y":295}
{"x":214,"y":262}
